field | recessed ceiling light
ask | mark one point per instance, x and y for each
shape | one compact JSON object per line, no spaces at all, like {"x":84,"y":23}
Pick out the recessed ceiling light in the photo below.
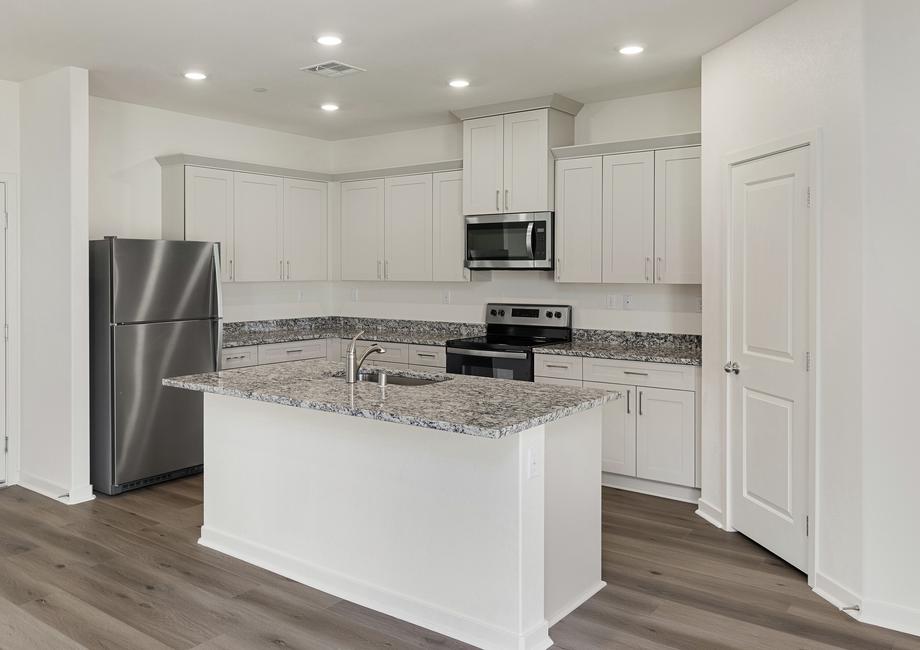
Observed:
{"x":329,"y":39}
{"x":194,"y":75}
{"x":330,"y":107}
{"x":459,"y":83}
{"x":631,"y":49}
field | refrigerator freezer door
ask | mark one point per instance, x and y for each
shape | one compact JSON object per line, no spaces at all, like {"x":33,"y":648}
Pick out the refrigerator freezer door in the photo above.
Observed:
{"x":159,"y":429}
{"x":156,"y":280}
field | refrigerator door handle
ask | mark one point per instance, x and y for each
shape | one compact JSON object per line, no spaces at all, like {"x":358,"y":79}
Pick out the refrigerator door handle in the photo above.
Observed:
{"x":218,"y":290}
{"x":219,"y":349}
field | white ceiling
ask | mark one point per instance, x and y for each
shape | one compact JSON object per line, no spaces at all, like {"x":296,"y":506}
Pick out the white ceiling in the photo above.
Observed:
{"x":136,"y":51}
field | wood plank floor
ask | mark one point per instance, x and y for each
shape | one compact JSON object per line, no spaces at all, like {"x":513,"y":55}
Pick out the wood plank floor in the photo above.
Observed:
{"x":126,"y":572}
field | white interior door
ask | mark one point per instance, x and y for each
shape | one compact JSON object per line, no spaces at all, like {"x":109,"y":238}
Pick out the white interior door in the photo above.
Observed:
{"x":769,"y":396}
{"x":258,"y":219}
{"x":3,"y":343}
{"x":305,"y":230}
{"x":578,"y":220}
{"x":408,"y":235}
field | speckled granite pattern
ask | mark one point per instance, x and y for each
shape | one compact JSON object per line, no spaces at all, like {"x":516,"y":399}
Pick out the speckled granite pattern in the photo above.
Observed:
{"x":491,"y":408}
{"x":682,"y":349}
{"x":375,"y":329}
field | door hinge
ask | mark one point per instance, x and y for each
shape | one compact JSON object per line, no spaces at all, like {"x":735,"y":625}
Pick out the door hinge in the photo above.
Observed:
{"x":6,"y":219}
{"x":808,"y":362}
{"x":6,"y":444}
{"x":807,"y":526}
{"x":808,"y":197}
{"x":6,"y":332}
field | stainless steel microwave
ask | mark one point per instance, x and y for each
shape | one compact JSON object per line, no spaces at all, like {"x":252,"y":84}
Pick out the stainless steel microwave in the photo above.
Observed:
{"x":510,"y":241}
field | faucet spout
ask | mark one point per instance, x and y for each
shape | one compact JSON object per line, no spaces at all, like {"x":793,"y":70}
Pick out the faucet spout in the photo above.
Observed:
{"x":352,"y":363}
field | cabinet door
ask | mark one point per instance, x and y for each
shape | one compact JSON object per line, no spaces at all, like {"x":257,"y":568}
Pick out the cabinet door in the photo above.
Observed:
{"x":483,"y":143}
{"x":629,"y":217}
{"x":305,"y":230}
{"x":449,"y":228}
{"x":526,"y":161}
{"x":618,"y":429}
{"x":209,"y":211}
{"x":678,"y":238}
{"x":362,"y":229}
{"x":665,"y":436}
{"x":408,"y":239}
{"x":258,"y":207}
{"x":578,"y":220}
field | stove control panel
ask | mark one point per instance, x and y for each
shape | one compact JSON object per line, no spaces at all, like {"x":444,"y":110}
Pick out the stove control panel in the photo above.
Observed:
{"x":541,"y":315}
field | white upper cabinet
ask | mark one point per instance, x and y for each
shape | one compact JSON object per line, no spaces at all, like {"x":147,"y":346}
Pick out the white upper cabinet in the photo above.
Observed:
{"x":483,"y":150}
{"x":629,"y":217}
{"x":448,"y":228}
{"x":305,"y":230}
{"x":678,"y":238}
{"x":507,"y":162}
{"x":527,"y":162}
{"x":578,"y":220}
{"x":258,"y":221}
{"x":209,"y":212}
{"x":363,"y":208}
{"x":408,"y":232}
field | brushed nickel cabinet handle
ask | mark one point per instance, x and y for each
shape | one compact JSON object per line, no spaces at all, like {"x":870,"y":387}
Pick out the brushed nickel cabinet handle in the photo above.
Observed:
{"x":294,"y":351}
{"x":659,"y":268}
{"x":507,"y":199}
{"x":640,"y":402}
{"x":378,"y":269}
{"x":289,"y":270}
{"x":498,"y":194}
{"x":628,"y":396}
{"x":550,"y":365}
{"x":647,"y":260}
{"x":633,"y":372}
{"x":425,"y":354}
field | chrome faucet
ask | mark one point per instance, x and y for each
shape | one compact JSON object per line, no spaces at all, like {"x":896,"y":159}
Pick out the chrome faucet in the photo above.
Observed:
{"x":352,"y":363}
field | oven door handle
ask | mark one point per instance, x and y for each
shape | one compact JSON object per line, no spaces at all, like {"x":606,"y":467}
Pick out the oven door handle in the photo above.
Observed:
{"x":487,"y":353}
{"x":529,"y":237}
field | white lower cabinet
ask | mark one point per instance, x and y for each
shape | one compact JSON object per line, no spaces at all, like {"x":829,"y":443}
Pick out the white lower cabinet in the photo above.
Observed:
{"x":652,"y":432}
{"x":618,"y":438}
{"x":666,"y":435}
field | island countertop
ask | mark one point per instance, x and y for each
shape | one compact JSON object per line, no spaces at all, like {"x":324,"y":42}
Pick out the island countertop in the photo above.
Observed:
{"x":477,"y":406}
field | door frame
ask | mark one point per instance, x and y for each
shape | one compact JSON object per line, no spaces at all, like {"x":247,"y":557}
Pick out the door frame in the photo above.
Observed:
{"x":11,"y":384}
{"x":813,"y":140}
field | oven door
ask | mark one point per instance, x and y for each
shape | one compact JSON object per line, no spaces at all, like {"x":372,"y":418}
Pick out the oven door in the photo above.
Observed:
{"x":497,"y":364}
{"x":509,"y":241}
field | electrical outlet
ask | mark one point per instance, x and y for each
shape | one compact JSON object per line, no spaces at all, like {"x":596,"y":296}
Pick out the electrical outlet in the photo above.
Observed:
{"x":354,"y":294}
{"x":627,"y":301}
{"x":613,"y":301}
{"x":445,"y":297}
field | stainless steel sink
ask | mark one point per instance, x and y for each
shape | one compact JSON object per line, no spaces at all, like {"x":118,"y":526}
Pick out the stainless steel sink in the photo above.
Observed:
{"x":373,"y":377}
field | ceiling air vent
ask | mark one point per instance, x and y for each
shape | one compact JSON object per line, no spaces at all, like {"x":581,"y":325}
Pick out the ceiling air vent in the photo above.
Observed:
{"x":333,"y":69}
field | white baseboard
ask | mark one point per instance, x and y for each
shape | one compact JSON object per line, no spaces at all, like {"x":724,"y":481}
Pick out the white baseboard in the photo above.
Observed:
{"x":575,"y":604}
{"x":837,"y":595}
{"x":453,"y":624}
{"x":710,"y":513}
{"x":54,"y":491}
{"x":892,"y":616}
{"x":653,"y":488}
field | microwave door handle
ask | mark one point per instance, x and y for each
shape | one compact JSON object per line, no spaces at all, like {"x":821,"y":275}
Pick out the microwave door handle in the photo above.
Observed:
{"x":529,"y":238}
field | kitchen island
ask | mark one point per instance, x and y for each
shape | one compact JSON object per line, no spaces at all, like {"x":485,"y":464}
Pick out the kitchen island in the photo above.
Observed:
{"x":469,"y":506}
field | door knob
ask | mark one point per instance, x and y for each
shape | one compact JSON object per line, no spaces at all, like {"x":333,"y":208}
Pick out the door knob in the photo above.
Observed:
{"x":731,"y":367}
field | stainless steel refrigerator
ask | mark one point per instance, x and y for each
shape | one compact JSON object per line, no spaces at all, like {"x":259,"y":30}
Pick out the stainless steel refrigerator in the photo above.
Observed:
{"x":155,"y":312}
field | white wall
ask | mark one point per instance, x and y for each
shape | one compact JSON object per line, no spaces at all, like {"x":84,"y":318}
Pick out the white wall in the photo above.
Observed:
{"x":432,"y":144}
{"x":800,"y":69}
{"x":891,"y":313}
{"x":125,"y":177}
{"x":643,"y":116}
{"x":9,"y":127}
{"x":54,"y":454}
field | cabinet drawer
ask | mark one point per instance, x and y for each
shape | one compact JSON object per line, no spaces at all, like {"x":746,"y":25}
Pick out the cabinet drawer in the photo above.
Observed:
{"x":395,"y":352}
{"x":574,"y":383}
{"x":556,"y":365}
{"x":279,"y":352}
{"x":657,"y":375}
{"x":428,"y":355}
{"x":239,"y":357}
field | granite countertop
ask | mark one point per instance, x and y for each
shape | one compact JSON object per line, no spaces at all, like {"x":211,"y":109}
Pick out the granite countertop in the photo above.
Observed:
{"x":267,"y":337}
{"x":687,"y":356}
{"x":491,"y":408}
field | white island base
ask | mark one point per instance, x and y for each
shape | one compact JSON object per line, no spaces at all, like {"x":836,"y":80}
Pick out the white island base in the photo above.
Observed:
{"x":489,"y":541}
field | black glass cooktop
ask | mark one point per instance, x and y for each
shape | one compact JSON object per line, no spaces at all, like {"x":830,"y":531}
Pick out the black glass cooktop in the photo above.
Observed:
{"x":501,"y":342}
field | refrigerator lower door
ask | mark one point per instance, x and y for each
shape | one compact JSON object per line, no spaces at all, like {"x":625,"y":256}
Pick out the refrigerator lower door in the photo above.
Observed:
{"x":159,"y":430}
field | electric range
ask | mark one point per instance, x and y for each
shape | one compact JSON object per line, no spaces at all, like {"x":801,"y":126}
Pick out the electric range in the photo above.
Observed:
{"x":512,"y":333}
